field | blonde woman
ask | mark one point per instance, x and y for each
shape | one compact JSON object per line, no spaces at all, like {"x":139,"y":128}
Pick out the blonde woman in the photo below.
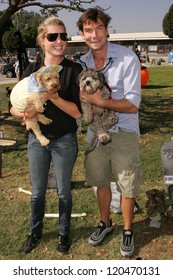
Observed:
{"x":63,"y":148}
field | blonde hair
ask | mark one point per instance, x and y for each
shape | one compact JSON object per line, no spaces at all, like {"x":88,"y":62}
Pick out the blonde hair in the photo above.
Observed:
{"x":42,"y":29}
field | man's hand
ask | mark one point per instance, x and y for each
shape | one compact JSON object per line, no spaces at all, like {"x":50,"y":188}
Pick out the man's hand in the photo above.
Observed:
{"x":95,"y":99}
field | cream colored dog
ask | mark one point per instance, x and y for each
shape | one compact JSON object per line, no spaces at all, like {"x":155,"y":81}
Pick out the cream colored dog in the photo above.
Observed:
{"x":27,"y":92}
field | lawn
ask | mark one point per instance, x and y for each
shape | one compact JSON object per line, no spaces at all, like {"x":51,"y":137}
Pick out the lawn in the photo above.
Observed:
{"x":156,"y":125}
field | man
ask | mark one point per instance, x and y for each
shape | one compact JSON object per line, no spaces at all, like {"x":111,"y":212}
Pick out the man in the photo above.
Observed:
{"x":120,"y":157}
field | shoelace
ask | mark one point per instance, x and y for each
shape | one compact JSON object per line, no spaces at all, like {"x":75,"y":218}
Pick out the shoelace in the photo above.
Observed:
{"x":127,"y":238}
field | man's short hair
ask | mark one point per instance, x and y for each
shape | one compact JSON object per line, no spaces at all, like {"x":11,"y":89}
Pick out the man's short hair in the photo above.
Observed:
{"x":93,"y":14}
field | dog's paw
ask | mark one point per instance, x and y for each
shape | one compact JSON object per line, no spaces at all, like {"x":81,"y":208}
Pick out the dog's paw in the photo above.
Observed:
{"x":48,"y":121}
{"x":113,"y":120}
{"x":99,"y":110}
{"x":55,"y":95}
{"x":44,"y":141}
{"x":40,"y":109}
{"x":88,"y":119}
{"x":104,"y":137}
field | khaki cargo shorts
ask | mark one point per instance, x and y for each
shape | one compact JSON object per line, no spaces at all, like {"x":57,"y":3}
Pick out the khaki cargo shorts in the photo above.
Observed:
{"x":119,"y":161}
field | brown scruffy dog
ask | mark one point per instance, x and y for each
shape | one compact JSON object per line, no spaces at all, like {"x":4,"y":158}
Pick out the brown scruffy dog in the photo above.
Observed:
{"x":100,"y":119}
{"x":27,"y":92}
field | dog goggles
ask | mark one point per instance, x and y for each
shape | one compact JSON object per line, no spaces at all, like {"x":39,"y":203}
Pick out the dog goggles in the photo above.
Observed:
{"x":51,"y":37}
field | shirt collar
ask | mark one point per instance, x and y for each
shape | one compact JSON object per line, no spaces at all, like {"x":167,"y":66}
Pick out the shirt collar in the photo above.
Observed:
{"x":88,"y":60}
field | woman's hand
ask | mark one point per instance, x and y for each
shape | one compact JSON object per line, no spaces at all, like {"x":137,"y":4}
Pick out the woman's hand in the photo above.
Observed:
{"x":15,"y":112}
{"x":45,"y":96}
{"x":30,"y":111}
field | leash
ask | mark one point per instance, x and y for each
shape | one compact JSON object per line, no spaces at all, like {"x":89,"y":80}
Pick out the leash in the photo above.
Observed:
{"x":24,"y":118}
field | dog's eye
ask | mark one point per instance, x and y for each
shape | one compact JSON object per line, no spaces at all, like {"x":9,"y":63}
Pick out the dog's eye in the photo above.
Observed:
{"x":95,"y":78}
{"x":48,"y":79}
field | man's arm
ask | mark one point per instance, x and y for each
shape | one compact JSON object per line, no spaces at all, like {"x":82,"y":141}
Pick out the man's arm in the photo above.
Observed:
{"x":122,"y":105}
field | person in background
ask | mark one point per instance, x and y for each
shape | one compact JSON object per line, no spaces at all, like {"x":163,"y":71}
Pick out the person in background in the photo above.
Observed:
{"x":8,"y":58}
{"x":37,"y":58}
{"x":16,"y":67}
{"x":63,"y":147}
{"x":21,"y":52}
{"x":119,"y":157}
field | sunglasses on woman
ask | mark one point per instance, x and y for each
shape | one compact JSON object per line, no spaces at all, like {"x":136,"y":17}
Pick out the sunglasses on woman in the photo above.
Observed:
{"x":51,"y":37}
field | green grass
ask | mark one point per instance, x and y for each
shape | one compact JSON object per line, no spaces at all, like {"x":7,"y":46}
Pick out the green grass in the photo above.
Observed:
{"x":156,"y":125}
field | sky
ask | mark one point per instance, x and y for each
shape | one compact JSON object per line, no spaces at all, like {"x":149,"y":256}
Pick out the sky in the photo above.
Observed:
{"x":128,"y":16}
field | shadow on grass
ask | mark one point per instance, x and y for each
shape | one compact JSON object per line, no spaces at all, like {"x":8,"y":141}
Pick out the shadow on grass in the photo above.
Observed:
{"x":156,"y":113}
{"x":145,"y":235}
{"x":146,"y":238}
{"x":155,"y":87}
{"x":11,"y":122}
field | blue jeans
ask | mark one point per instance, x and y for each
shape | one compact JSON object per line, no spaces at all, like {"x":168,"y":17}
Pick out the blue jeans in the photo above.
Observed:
{"x":63,"y":153}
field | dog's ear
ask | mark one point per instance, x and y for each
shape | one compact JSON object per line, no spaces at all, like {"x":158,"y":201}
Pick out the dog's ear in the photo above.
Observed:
{"x":101,"y":77}
{"x":79,"y":76}
{"x":38,"y":75}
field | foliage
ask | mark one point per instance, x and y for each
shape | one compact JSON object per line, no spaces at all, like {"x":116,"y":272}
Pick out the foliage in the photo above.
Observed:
{"x":4,"y":28}
{"x":167,"y":23}
{"x":16,"y":5}
{"x":27,"y":23}
{"x":28,"y":31}
{"x":8,"y":39}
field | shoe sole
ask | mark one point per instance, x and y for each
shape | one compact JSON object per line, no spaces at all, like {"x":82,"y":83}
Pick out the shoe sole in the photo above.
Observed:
{"x":98,"y":242}
{"x":127,"y":254}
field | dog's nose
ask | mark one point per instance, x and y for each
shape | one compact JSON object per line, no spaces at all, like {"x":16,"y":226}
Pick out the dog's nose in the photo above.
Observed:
{"x":88,"y":82}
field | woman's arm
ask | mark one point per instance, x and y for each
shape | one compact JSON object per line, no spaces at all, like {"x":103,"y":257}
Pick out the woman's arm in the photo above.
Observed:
{"x":68,"y":107}
{"x":29,"y":113}
{"x":15,"y":112}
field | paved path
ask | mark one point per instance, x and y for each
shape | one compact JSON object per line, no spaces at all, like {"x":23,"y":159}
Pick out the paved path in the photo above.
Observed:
{"x":5,"y":80}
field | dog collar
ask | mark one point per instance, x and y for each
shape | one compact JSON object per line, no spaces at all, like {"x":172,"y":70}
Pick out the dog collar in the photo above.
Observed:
{"x":107,"y":85}
{"x":33,"y":86}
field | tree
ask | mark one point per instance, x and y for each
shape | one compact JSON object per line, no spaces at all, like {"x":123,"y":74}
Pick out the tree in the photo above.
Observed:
{"x":7,"y":39}
{"x":27,"y":23}
{"x":6,"y":27}
{"x":167,"y":23}
{"x":16,"y":5}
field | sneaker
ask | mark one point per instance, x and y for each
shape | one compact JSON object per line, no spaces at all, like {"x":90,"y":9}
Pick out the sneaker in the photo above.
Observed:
{"x":127,"y":243}
{"x":30,"y":243}
{"x":64,"y":244}
{"x":98,"y":236}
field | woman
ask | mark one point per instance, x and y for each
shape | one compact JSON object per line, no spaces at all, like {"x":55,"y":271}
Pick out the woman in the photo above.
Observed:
{"x":63,"y":149}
